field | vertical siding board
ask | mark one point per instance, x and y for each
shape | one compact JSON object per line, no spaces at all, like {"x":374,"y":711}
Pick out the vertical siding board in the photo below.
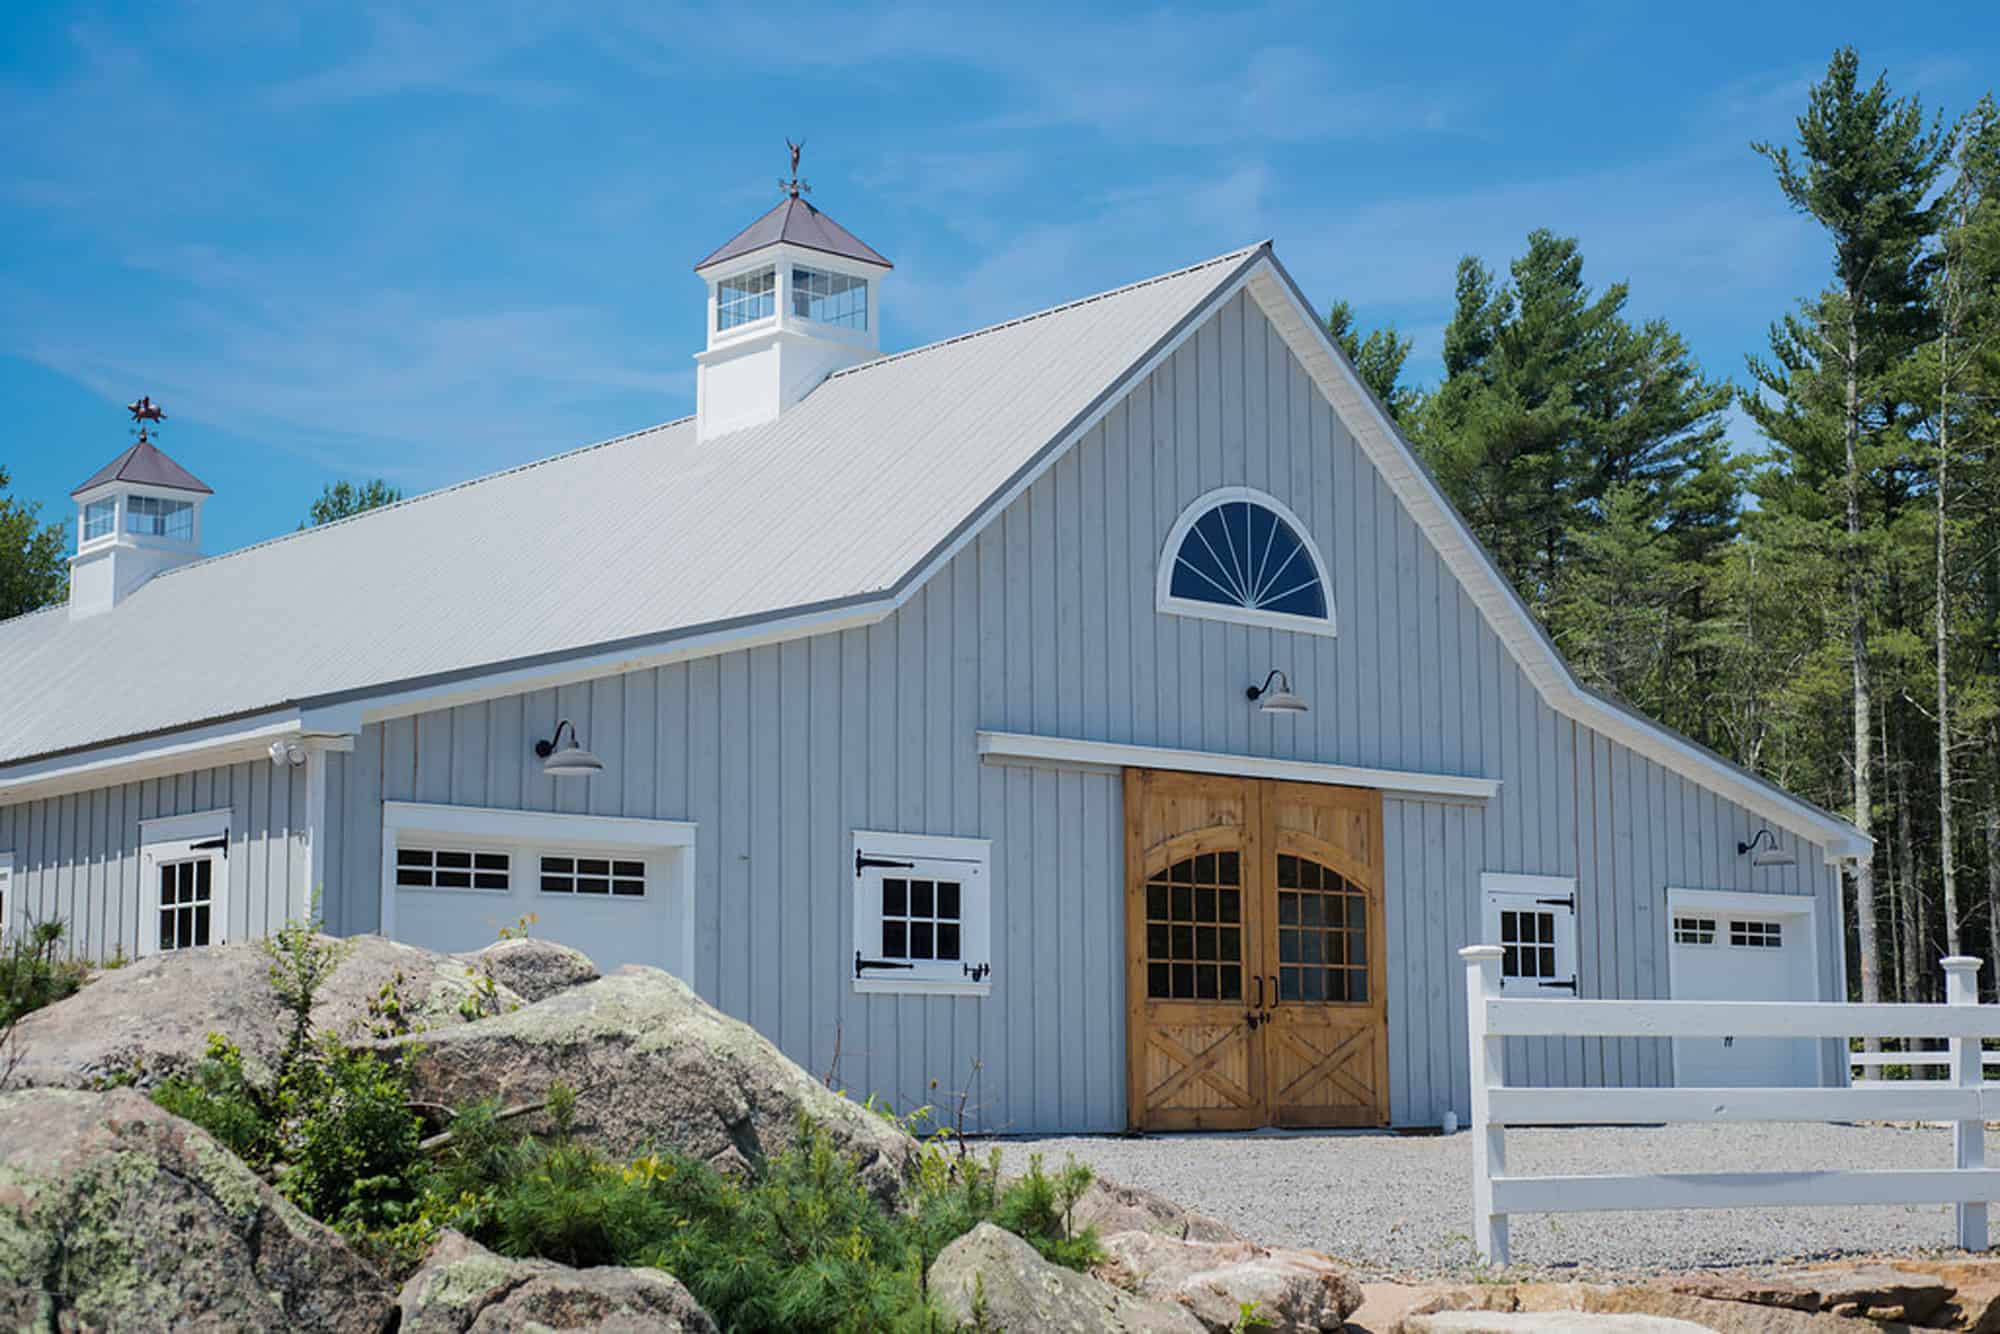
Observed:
{"x":788,"y":893}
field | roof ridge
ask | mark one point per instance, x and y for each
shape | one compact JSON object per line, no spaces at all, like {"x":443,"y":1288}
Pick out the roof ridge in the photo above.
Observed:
{"x":419,"y":499}
{"x":1236,"y":254}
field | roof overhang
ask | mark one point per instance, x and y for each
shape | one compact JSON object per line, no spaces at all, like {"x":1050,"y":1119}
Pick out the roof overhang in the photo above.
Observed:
{"x":231,"y":742}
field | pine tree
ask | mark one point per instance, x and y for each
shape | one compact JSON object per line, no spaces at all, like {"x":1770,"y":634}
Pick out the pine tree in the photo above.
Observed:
{"x":1866,"y":165}
{"x":33,"y":567}
{"x":1378,"y":358}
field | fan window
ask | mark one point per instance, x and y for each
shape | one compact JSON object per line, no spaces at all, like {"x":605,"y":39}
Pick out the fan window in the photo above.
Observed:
{"x":1240,"y":555}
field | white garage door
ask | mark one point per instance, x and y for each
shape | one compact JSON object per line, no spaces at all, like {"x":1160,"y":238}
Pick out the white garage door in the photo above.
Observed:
{"x":1747,"y":947}
{"x":620,"y":890}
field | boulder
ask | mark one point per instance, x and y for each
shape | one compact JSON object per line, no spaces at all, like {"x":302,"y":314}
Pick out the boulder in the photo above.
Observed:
{"x":1112,"y":1207}
{"x":115,"y":1214}
{"x":989,"y":1279}
{"x":533,"y":969}
{"x":655,"y":1065}
{"x":1883,"y":1290}
{"x":463,"y":1288}
{"x":1544,"y":1322}
{"x":1292,"y":1290}
{"x":152,"y":1018}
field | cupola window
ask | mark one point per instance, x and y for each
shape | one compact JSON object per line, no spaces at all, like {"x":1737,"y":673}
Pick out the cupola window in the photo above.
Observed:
{"x":746,"y":298}
{"x":1240,"y":555}
{"x":150,"y":516}
{"x":100,"y":518}
{"x":830,"y":298}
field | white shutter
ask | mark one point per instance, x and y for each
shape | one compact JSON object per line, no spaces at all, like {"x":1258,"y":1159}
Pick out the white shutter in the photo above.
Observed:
{"x":1533,"y":919}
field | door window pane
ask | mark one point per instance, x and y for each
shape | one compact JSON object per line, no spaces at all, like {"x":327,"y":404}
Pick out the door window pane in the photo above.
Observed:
{"x":1322,"y":934}
{"x":1194,"y":929}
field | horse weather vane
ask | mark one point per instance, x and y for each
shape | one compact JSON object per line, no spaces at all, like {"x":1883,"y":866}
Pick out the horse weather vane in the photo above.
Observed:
{"x":145,"y":413}
{"x":795,"y":187}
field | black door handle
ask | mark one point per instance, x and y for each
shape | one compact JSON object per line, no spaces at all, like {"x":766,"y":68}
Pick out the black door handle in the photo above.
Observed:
{"x":1274,"y":990}
{"x":1258,"y":1004}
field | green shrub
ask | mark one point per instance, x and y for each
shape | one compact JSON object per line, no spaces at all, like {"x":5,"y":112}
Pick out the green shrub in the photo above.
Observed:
{"x":220,"y":1099}
{"x":34,"y":972}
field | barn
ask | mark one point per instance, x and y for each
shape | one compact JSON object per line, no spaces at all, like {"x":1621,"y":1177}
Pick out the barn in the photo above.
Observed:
{"x":1103,"y":711}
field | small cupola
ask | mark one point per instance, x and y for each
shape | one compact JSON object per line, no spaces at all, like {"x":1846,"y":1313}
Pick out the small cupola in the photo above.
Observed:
{"x":137,"y":515}
{"x":792,"y":298}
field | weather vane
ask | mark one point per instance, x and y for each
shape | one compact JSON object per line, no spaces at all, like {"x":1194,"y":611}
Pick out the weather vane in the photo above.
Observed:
{"x":145,"y":412}
{"x":795,"y":187}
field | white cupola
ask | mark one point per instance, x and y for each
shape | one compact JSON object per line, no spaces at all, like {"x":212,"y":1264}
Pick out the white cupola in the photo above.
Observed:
{"x":792,"y":298}
{"x":137,"y":515}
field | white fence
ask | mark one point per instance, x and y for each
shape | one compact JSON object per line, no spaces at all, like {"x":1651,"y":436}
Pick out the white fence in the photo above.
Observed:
{"x":1961,"y":1100}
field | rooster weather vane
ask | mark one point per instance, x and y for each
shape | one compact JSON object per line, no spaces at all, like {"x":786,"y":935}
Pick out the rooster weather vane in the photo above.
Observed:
{"x":795,"y":187}
{"x":145,"y":413}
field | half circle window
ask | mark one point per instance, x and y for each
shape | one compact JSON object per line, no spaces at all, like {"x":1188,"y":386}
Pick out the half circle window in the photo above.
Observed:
{"x":1240,"y":555}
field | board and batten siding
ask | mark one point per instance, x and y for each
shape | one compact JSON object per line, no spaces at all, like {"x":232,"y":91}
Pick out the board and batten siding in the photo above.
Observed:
{"x":1046,"y":624}
{"x":77,"y":857}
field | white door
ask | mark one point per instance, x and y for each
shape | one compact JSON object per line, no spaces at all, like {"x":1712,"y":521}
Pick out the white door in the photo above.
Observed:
{"x":1743,"y":947}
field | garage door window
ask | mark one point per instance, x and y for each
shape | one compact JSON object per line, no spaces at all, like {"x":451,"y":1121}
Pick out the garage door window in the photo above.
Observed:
{"x":1694,"y":930}
{"x":1533,"y":920}
{"x":612,"y":877}
{"x":921,"y":907}
{"x":451,"y":868}
{"x":1754,"y":934}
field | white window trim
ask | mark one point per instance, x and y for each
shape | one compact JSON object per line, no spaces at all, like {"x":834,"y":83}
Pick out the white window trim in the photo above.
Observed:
{"x":7,"y":905}
{"x":976,"y":931}
{"x":1165,"y":601}
{"x":526,"y":835}
{"x":1495,"y":887}
{"x":172,"y":836}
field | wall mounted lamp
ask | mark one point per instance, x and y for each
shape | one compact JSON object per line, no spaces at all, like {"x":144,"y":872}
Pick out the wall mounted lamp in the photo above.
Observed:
{"x":1764,"y":853}
{"x":285,"y":753}
{"x":571,"y":761}
{"x":1281,"y":700}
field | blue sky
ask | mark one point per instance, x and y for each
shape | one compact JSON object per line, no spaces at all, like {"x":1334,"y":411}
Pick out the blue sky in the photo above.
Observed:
{"x":347,"y":242}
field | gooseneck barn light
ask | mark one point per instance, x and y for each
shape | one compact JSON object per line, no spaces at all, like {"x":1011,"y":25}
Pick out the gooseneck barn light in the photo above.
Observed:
{"x":1763,"y":854}
{"x":571,"y":761}
{"x":1281,"y":700}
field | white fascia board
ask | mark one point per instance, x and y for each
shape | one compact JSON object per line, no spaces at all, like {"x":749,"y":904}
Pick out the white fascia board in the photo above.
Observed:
{"x":513,"y":826}
{"x":1496,"y":599}
{"x":149,"y":757}
{"x":1070,"y":752}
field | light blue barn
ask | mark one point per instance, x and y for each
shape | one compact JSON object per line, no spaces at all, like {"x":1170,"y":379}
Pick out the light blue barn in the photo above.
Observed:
{"x":1106,"y":702}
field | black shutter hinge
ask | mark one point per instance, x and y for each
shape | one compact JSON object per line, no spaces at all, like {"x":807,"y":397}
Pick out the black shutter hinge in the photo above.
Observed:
{"x":1569,"y":986}
{"x":864,"y":863}
{"x":1567,"y":901}
{"x":861,"y":963}
{"x":211,"y":844}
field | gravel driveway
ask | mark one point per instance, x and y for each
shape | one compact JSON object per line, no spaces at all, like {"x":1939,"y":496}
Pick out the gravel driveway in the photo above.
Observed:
{"x":1396,"y":1205}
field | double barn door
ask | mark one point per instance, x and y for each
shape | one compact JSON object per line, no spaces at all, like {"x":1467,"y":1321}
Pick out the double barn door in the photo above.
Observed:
{"x":1254,"y":930}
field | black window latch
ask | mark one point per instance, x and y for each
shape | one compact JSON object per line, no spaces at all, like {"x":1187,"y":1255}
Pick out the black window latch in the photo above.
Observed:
{"x":861,"y":963}
{"x":978,"y":972}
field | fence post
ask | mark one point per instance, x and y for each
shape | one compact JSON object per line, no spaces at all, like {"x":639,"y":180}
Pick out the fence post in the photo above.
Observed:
{"x":1968,"y":1138}
{"x":1489,"y":1141}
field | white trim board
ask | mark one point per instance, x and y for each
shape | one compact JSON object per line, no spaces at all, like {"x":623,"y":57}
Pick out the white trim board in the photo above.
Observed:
{"x":1074,"y":753}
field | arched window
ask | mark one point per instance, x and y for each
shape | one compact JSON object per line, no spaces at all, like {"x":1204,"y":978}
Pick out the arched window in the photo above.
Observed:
{"x":1240,"y":555}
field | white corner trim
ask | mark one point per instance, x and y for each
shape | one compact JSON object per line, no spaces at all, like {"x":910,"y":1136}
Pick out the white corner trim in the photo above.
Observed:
{"x":1165,"y":601}
{"x":1070,"y":752}
{"x":1501,"y":607}
{"x":176,"y":828}
{"x":1742,"y":901}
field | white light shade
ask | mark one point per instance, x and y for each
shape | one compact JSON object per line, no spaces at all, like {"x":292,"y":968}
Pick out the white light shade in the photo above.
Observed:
{"x":1280,"y":701}
{"x":1774,"y":857}
{"x":572,"y":762}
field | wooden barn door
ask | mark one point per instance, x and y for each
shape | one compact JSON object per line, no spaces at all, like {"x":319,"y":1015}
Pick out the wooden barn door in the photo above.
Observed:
{"x":1253,"y":922}
{"x":1326,"y":1045}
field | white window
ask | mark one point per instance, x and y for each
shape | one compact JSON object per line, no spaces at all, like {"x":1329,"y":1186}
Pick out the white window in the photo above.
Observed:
{"x":573,"y":873}
{"x":830,"y":298}
{"x":184,"y":869}
{"x":100,"y":518}
{"x":1533,"y":920}
{"x":452,"y":868}
{"x":149,"y":516}
{"x":747,"y":297}
{"x":1755,"y":934}
{"x":1240,"y":555}
{"x":922,"y":910}
{"x":1694,"y":930}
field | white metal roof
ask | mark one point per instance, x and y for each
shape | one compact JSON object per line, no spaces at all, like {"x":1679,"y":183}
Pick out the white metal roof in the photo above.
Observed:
{"x":649,"y":535}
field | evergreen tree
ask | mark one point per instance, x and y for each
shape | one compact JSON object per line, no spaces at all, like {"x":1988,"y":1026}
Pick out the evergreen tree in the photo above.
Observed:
{"x":344,"y":500}
{"x":34,"y":566}
{"x":1865,"y":168}
{"x":1378,"y":358}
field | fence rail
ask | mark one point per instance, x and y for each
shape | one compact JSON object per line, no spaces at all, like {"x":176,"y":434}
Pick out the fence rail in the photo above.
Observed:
{"x":1962,"y":1099}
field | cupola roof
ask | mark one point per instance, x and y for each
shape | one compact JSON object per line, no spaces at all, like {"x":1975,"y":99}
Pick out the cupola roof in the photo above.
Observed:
{"x":147,"y":464}
{"x":796,"y":222}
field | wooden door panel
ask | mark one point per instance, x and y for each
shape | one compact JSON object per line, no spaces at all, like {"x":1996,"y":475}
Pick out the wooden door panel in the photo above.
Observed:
{"x":1199,"y":1071}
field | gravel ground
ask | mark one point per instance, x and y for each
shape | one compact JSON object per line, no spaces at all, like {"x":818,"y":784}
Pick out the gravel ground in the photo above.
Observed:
{"x":1401,"y":1206}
